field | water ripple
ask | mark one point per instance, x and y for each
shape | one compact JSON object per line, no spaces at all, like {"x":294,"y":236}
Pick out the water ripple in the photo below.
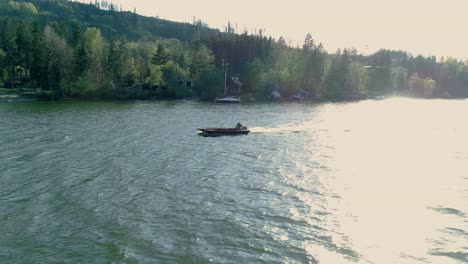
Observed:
{"x":133,"y":183}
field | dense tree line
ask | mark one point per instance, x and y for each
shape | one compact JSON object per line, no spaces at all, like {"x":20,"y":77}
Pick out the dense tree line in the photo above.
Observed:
{"x":93,"y":50}
{"x":84,"y":64}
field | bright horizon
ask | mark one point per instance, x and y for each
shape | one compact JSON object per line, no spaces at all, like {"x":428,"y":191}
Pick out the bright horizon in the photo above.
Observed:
{"x":430,"y":27}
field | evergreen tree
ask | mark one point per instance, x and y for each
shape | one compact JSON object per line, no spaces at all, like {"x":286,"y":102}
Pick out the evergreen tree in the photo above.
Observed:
{"x":313,"y":68}
{"x":309,"y":44}
{"x":161,"y":57}
{"x":40,"y":58}
{"x":8,"y":42}
{"x":80,"y":56}
{"x":23,"y":43}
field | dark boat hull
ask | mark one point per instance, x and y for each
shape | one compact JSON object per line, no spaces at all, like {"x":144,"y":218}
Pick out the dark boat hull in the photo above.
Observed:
{"x":217,"y":132}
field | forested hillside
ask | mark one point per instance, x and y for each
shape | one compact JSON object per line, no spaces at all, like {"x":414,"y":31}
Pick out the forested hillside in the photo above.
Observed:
{"x":75,"y":50}
{"x":112,"y":23}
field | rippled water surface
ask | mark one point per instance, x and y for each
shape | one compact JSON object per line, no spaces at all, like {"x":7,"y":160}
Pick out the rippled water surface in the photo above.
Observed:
{"x":367,"y":182}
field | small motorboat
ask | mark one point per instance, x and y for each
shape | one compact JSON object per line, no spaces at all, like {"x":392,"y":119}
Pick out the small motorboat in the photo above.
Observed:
{"x":217,"y":132}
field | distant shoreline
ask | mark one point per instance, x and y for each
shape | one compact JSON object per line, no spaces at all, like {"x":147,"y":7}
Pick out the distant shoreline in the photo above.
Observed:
{"x":245,"y":102}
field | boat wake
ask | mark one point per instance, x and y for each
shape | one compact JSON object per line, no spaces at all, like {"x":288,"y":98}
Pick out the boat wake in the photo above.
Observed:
{"x":291,"y":128}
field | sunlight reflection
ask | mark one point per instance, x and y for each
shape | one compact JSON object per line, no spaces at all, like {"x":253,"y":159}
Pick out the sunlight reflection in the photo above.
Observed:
{"x":393,"y":160}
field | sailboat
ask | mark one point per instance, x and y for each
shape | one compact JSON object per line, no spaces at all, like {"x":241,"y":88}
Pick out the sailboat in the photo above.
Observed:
{"x":227,"y":99}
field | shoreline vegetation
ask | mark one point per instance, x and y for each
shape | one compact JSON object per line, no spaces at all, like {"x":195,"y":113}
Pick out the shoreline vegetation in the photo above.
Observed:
{"x":15,"y":95}
{"x":64,"y":50}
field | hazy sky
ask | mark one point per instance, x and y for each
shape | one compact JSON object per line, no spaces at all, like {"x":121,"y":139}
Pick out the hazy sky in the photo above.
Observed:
{"x":430,"y":27}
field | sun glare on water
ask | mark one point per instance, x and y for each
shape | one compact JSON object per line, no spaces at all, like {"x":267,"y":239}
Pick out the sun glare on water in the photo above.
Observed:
{"x":397,"y":167}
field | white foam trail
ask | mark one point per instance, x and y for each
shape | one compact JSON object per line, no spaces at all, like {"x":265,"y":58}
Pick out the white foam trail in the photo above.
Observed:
{"x":288,"y":128}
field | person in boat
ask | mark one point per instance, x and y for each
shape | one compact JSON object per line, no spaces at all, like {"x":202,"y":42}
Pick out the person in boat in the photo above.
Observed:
{"x":239,"y":126}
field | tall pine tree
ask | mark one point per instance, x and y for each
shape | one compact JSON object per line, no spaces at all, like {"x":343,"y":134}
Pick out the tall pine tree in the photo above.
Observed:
{"x":161,"y":57}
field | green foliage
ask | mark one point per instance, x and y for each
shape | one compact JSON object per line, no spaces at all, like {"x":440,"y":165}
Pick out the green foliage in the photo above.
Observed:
{"x":313,"y":66}
{"x":2,"y":61}
{"x":202,"y":60}
{"x":335,"y":80}
{"x":161,"y":57}
{"x":83,"y":87}
{"x":276,"y":80}
{"x":421,"y":87}
{"x":2,"y":56}
{"x":39,"y":58}
{"x":20,"y":8}
{"x":398,"y":78}
{"x":379,"y":72}
{"x":170,"y":81}
{"x":155,"y":75}
{"x":141,"y":54}
{"x":105,"y":16}
{"x":253,"y":73}
{"x":210,"y":84}
{"x":60,"y":63}
{"x":122,"y":65}
{"x":356,"y":78}
{"x":75,"y":50}
{"x":462,"y":79}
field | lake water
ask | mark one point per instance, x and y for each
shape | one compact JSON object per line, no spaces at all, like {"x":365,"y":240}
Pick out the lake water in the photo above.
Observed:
{"x":109,"y":182}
